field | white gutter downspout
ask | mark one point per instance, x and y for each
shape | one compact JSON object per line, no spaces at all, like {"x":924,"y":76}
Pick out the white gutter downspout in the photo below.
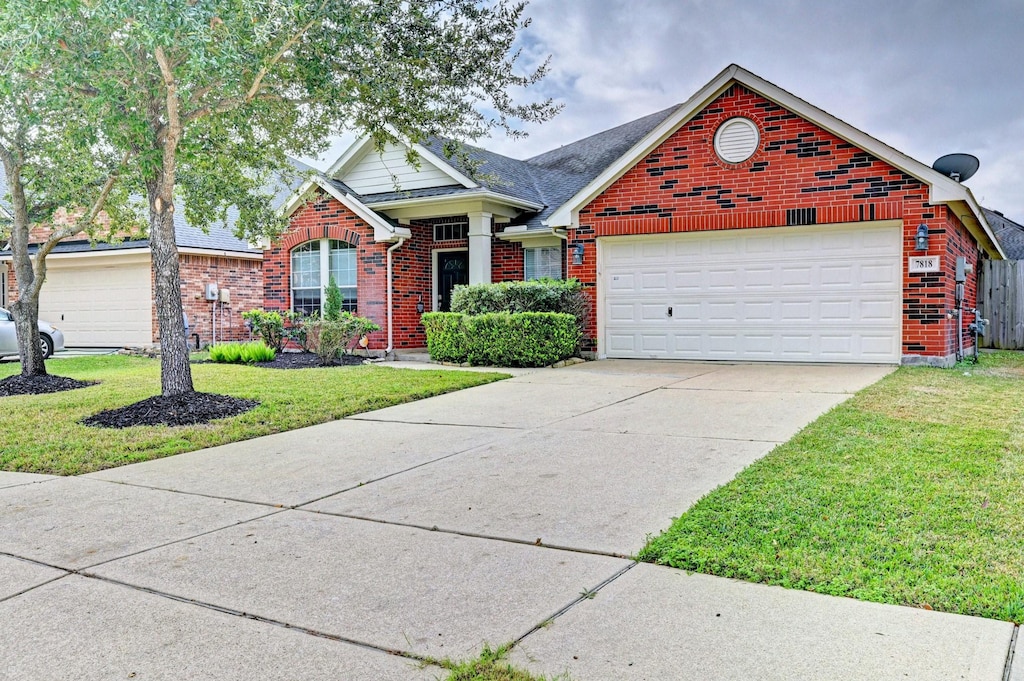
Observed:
{"x":391,"y":326}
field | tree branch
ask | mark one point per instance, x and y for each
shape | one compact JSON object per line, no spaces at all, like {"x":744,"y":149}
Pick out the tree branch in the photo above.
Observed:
{"x":231,"y":103}
{"x":79,"y":225}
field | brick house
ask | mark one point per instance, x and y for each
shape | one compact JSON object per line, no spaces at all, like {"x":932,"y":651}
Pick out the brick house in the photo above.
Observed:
{"x":744,"y":224}
{"x":102,"y":295}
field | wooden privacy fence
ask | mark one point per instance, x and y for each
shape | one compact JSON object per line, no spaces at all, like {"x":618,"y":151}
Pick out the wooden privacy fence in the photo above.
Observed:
{"x":1001,"y":301}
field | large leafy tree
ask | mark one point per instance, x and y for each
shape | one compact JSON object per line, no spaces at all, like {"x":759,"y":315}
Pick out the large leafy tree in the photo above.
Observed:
{"x":58,"y":173}
{"x":208,"y":96}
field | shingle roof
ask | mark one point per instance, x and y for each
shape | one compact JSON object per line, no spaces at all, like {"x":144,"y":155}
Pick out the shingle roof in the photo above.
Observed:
{"x":549,"y":179}
{"x":563,"y":172}
{"x":1009,"y":233}
{"x":217,"y":237}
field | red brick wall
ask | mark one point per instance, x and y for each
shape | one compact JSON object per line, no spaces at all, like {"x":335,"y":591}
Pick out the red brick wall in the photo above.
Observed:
{"x":12,"y":286}
{"x":506,"y":261}
{"x":242,"y":276}
{"x":413,"y":267}
{"x":326,"y":217}
{"x":800,"y":174}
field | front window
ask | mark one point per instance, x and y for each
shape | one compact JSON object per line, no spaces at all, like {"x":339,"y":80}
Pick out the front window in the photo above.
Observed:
{"x":542,"y":263}
{"x":313,"y":265}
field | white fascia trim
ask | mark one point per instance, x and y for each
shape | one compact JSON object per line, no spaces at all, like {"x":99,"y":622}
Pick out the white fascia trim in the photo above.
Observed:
{"x":520,"y":234}
{"x":352,"y":155}
{"x":942,"y":189}
{"x":296,"y":199}
{"x":127,"y":254}
{"x":219,"y":253}
{"x":364,"y":145}
{"x":382,"y":229}
{"x":482,"y":194}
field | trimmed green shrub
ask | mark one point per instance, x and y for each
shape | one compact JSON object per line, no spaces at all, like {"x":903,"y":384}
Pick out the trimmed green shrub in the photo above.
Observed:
{"x":526,"y":339}
{"x":565,"y":296}
{"x":239,"y":353}
{"x":267,"y":325}
{"x":446,"y":335}
{"x":329,"y":338}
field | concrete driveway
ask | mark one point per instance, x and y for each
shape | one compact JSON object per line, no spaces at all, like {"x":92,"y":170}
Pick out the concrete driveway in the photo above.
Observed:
{"x":490,"y":515}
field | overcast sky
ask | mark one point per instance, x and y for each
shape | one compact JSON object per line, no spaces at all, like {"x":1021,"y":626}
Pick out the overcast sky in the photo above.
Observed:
{"x":928,"y":77}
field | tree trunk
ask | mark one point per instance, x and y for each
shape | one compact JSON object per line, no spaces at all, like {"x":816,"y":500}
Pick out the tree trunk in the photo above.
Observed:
{"x":26,"y":325}
{"x":175,"y":372}
{"x":26,"y":308}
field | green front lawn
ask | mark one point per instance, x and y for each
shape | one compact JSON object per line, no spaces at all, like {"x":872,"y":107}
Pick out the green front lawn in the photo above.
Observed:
{"x":42,"y":433}
{"x":910,"y":493}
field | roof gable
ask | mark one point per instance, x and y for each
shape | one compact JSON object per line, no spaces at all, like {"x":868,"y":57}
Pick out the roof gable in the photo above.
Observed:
{"x":941,"y":188}
{"x":369,"y":171}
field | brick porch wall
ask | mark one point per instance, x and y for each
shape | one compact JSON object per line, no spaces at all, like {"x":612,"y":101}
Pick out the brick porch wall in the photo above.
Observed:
{"x":800,"y":175}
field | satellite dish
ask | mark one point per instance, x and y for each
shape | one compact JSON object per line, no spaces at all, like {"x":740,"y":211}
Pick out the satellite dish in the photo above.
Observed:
{"x":960,"y":167}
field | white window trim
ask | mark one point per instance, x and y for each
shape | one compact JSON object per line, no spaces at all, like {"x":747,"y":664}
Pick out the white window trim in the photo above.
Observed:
{"x":325,"y":272}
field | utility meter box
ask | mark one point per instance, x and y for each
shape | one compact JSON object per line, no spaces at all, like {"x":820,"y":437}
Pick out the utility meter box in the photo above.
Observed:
{"x":224,"y":295}
{"x":211,"y":292}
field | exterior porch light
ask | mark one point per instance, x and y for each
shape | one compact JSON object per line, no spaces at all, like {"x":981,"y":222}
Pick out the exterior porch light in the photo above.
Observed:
{"x":921,"y":238}
{"x":577,"y":254}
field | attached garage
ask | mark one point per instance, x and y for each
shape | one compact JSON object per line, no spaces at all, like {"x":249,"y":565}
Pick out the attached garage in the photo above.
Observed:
{"x":101,"y":300}
{"x":794,"y":294}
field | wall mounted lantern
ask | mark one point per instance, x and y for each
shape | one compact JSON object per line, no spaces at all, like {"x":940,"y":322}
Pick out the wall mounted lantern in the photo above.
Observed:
{"x":577,"y":254}
{"x":921,"y":238}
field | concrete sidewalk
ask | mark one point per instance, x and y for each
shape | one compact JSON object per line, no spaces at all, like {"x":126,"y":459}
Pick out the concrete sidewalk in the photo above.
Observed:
{"x":507,"y":512}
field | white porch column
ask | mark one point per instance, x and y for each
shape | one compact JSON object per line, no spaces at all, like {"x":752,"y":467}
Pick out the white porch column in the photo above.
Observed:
{"x":480,"y":248}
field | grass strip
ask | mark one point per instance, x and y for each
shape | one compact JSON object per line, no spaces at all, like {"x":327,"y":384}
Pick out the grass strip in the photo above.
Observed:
{"x":43,"y":433}
{"x":910,"y":493}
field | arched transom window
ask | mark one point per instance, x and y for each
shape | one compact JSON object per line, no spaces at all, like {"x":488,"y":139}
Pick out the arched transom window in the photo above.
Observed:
{"x":313,"y":265}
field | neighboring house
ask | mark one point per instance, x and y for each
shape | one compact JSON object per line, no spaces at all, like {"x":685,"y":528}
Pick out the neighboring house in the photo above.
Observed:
{"x":744,"y":224}
{"x":1009,"y":233}
{"x":101,"y":295}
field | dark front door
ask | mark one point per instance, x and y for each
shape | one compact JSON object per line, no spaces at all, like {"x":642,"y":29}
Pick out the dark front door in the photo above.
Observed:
{"x":452,"y":270}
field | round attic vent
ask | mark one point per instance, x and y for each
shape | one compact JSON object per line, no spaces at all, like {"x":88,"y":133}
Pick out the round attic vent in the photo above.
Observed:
{"x":736,"y":140}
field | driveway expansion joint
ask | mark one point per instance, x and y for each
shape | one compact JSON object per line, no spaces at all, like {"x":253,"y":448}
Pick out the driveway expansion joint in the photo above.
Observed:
{"x":473,"y":535}
{"x":587,"y":595}
{"x":1011,"y":653}
{"x":258,"y":618}
{"x":81,"y":570}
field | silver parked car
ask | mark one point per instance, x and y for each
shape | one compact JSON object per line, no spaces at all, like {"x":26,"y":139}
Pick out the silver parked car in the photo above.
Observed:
{"x":50,"y":338}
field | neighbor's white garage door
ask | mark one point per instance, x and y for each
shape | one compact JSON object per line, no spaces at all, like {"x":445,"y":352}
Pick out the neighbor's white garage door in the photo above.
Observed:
{"x":808,"y":294}
{"x":104,"y":303}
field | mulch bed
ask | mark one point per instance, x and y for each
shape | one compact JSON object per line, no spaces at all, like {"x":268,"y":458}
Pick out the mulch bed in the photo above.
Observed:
{"x":180,"y":410}
{"x":306,"y":360}
{"x":39,"y":385}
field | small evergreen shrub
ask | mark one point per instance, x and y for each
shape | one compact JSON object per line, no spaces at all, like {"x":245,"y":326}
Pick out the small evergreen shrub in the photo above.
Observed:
{"x":295,"y":328}
{"x":267,"y":325}
{"x":332,"y":301}
{"x":241,"y":353}
{"x":329,"y":338}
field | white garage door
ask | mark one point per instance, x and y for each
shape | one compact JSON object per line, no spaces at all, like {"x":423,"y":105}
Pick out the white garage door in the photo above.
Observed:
{"x":804,"y":294}
{"x":105,"y":302}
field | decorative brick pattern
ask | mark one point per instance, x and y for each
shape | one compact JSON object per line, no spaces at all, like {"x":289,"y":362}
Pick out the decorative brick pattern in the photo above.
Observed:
{"x":800,"y":175}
